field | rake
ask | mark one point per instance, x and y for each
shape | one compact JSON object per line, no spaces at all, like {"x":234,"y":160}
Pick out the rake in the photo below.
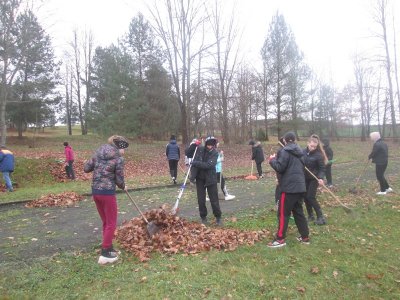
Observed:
{"x":346,"y":208}
{"x":251,"y":176}
{"x":355,"y":189}
{"x":150,"y":226}
{"x":174,"y":210}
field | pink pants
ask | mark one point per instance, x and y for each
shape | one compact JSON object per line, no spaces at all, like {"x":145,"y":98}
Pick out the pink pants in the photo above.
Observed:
{"x":107,"y":208}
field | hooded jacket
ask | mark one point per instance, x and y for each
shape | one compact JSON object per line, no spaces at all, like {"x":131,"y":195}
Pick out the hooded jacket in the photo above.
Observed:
{"x":6,"y":161}
{"x":257,"y":153}
{"x":203,"y":165}
{"x":328,"y":150}
{"x":380,"y":153}
{"x":107,"y":166}
{"x":172,"y":151}
{"x":314,"y":161}
{"x":290,"y":166}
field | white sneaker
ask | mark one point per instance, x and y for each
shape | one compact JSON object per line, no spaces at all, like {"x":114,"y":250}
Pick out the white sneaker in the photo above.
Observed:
{"x":389,"y":190}
{"x":229,"y":197}
{"x":381,"y":193}
{"x":207,"y":199}
{"x":107,"y":260}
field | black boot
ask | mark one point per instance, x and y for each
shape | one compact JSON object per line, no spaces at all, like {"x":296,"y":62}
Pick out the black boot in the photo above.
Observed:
{"x":320,"y":221}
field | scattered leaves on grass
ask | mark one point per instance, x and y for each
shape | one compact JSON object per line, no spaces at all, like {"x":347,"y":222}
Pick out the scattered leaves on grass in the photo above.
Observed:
{"x":177,"y":235}
{"x":57,"y":170}
{"x":374,"y":276}
{"x":314,"y":270}
{"x":62,"y":199}
{"x":301,"y":289}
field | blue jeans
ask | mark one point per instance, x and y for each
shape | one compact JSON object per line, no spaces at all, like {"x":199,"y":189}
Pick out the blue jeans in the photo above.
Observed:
{"x":7,"y":179}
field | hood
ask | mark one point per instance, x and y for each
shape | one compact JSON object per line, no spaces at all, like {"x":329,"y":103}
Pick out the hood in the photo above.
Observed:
{"x":107,"y":152}
{"x":325,"y":142}
{"x":294,"y":149}
{"x":68,"y":147}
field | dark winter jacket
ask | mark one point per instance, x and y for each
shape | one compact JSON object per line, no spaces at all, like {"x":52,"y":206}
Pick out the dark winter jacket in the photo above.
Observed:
{"x":107,"y":165}
{"x":314,"y":161}
{"x":203,"y":165}
{"x":172,"y":151}
{"x":257,"y":153}
{"x":290,"y":166}
{"x":190,"y":150}
{"x":329,"y":152}
{"x":380,"y":153}
{"x":6,"y":161}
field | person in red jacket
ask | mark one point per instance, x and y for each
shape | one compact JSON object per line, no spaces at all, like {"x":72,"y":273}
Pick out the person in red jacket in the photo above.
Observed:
{"x":69,"y":161}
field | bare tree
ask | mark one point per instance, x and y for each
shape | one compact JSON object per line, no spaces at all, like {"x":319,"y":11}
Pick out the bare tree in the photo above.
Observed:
{"x":226,"y":42}
{"x":380,"y":18}
{"x":88,"y":45}
{"x":178,"y":30}
{"x":77,"y":77}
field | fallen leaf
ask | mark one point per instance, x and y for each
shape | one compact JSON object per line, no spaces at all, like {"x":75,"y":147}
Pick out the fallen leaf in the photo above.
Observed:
{"x":143,"y":279}
{"x":314,"y":270}
{"x":335,"y":274}
{"x":301,"y":289}
{"x":374,"y":276}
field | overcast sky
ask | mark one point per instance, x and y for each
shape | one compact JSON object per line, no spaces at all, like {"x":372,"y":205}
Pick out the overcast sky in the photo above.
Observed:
{"x":329,"y":32}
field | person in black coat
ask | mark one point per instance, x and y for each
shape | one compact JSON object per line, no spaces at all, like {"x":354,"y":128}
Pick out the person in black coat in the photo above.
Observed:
{"x":290,"y":166}
{"x":257,"y":154}
{"x":379,"y":156}
{"x":173,"y":154}
{"x":203,"y":170}
{"x":328,"y":168}
{"x":315,"y":160}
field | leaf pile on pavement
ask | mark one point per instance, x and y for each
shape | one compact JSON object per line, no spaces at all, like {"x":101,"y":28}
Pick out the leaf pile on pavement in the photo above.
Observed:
{"x":57,"y":170}
{"x":63,"y":199}
{"x":177,"y":235}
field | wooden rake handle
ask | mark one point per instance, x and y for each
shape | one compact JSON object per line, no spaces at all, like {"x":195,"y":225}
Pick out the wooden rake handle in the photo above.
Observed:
{"x":325,"y":187}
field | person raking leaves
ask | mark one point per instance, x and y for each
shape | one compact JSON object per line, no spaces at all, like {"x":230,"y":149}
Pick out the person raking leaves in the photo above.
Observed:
{"x":107,"y":165}
{"x":292,"y":184}
{"x":203,"y":170}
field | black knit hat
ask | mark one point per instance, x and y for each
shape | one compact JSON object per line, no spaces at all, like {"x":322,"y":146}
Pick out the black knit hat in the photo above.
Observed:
{"x":252,"y":143}
{"x":210,"y":140}
{"x":290,"y":137}
{"x":120,"y":142}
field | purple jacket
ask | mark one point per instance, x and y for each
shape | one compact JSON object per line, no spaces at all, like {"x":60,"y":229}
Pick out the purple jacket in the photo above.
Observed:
{"x":107,"y":166}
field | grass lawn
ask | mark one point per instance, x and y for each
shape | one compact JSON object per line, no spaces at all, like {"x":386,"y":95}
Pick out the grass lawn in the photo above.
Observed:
{"x":355,"y":256}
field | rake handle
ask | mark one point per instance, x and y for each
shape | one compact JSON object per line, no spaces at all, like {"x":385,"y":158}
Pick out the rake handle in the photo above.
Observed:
{"x":137,"y":207}
{"x":324,"y":186}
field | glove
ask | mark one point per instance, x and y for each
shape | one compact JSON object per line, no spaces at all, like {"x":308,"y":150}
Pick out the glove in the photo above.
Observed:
{"x":198,"y":142}
{"x":330,"y":162}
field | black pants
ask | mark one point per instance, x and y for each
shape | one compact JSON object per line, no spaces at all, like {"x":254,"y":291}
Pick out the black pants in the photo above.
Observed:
{"x":173,"y":167}
{"x":212,"y":191}
{"x":259,"y":168}
{"x":380,"y":175}
{"x":328,"y":174}
{"x":311,"y":198}
{"x":70,"y":170}
{"x":291,"y":203}
{"x":221,"y":181}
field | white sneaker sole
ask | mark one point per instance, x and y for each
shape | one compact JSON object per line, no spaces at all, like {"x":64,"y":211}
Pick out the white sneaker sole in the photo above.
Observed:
{"x":106,"y":260}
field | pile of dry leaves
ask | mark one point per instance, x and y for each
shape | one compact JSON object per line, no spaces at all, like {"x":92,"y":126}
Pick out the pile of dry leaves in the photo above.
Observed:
{"x":58,"y":171}
{"x":63,"y":199}
{"x":177,"y":235}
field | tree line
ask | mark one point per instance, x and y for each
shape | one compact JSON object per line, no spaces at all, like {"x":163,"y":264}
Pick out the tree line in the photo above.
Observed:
{"x":181,"y":71}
